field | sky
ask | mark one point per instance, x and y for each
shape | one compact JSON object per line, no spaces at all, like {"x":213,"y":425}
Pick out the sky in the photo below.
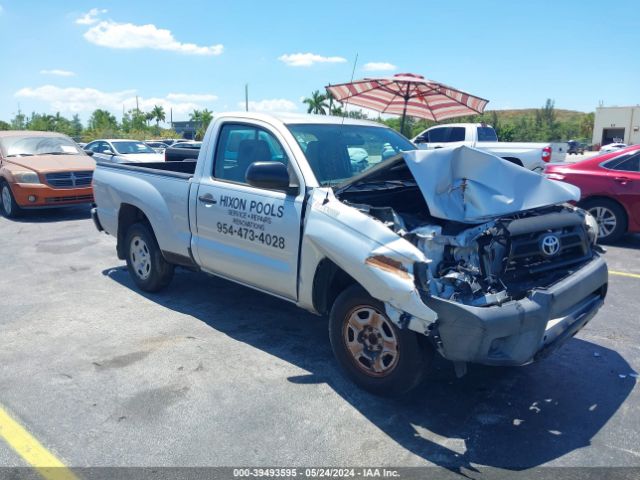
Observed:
{"x":76,"y":56}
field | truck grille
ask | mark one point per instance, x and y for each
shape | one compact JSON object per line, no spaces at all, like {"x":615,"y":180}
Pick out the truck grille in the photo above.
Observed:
{"x":69,"y":179}
{"x":542,"y":251}
{"x":75,"y":198}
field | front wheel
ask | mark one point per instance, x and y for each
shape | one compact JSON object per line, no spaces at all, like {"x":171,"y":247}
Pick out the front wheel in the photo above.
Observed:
{"x":10,"y":208}
{"x":146,"y":265}
{"x":371,"y":349}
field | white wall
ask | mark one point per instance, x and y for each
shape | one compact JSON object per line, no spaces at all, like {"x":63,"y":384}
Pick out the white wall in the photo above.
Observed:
{"x":618,"y":117}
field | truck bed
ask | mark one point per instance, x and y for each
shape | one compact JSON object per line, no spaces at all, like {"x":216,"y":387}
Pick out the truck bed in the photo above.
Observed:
{"x":183,"y":169}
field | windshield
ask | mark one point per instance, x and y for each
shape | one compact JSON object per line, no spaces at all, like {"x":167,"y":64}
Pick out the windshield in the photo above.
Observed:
{"x":132,"y":147}
{"x":339,"y":152}
{"x":36,"y":145}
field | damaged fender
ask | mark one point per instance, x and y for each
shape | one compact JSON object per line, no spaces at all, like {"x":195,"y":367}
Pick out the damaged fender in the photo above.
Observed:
{"x":372,"y":254}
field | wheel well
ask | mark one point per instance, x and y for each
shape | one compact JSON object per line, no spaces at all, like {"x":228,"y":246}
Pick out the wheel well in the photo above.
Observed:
{"x":517,"y":161}
{"x":127,"y":216}
{"x":329,"y":281}
{"x":587,"y":200}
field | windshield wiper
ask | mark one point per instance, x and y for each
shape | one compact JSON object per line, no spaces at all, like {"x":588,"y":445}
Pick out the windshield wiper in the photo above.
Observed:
{"x":21,"y":155}
{"x":58,"y":153}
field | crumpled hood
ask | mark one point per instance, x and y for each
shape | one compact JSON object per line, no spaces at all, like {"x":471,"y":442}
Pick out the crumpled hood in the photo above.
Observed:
{"x":467,"y":185}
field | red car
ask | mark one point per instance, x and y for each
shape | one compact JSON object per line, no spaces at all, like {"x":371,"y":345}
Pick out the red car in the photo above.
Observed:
{"x":610,"y":186}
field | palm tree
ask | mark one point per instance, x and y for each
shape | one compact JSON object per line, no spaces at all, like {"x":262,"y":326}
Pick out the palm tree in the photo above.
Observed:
{"x":158,"y":114}
{"x":317,"y":103}
{"x":195,"y":116}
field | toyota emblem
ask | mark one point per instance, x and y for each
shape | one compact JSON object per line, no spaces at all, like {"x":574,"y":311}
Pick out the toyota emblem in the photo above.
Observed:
{"x":550,"y":245}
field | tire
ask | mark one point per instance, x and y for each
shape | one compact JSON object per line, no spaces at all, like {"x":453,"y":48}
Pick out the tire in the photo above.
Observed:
{"x":392,"y":374}
{"x":146,"y":265}
{"x":611,"y":218}
{"x":10,"y":208}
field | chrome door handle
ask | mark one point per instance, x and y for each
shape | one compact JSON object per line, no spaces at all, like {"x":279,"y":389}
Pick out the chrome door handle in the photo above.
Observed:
{"x":208,"y":199}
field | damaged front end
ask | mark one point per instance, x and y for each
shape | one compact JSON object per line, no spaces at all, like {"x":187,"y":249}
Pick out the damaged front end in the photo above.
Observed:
{"x":508,"y":287}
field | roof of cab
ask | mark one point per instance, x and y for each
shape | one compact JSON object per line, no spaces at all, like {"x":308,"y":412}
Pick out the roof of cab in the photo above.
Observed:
{"x":29,"y":133}
{"x":300,"y":118}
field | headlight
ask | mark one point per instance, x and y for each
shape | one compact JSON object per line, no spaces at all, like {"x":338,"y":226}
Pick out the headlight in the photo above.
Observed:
{"x":26,"y":177}
{"x":592,"y":227}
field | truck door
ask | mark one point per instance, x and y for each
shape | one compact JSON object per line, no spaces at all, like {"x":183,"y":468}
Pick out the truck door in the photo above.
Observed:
{"x":245,"y":233}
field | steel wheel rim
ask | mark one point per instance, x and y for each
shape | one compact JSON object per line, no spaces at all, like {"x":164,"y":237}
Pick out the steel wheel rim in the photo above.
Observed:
{"x":140,"y":257}
{"x":606,"y":219}
{"x":370,"y":341}
{"x":6,"y":200}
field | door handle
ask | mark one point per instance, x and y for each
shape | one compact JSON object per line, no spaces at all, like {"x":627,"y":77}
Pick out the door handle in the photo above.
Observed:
{"x":623,"y":180}
{"x":208,"y":199}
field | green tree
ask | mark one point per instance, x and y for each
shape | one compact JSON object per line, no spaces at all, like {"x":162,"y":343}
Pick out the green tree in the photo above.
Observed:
{"x":19,"y":122}
{"x":102,"y":120}
{"x":76,"y":126}
{"x":158,"y":114}
{"x":317,"y":103}
{"x":206,"y":116}
{"x":4,"y":125}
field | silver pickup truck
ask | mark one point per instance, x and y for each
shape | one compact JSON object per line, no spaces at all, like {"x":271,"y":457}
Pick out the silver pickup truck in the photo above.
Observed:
{"x":409,"y":252}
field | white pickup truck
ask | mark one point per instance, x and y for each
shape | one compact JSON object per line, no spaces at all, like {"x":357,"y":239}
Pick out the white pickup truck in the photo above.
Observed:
{"x":408,"y":252}
{"x":532,"y":156}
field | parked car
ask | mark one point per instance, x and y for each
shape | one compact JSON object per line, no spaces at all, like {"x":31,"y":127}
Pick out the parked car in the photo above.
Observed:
{"x":41,"y":170}
{"x":158,"y":147}
{"x":532,"y":156}
{"x":181,"y":151}
{"x":610,"y":189}
{"x":612,"y":147}
{"x":122,"y":151}
{"x":575,"y":148}
{"x":403,"y":257}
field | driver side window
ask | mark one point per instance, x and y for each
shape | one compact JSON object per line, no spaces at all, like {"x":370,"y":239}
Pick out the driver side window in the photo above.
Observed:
{"x":241,"y":145}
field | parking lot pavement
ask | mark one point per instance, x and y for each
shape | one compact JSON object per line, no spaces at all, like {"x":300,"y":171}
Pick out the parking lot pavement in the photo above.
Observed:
{"x":211,"y":373}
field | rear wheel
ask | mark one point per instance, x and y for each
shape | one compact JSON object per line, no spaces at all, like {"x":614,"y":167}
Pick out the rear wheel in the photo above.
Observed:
{"x":611,"y":218}
{"x":371,"y":349}
{"x":146,"y":265}
{"x":10,"y":208}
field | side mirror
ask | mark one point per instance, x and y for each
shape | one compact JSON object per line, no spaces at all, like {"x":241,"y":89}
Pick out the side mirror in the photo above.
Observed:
{"x":108,"y":152}
{"x":89,"y":152}
{"x":269,"y":175}
{"x":421,"y":139}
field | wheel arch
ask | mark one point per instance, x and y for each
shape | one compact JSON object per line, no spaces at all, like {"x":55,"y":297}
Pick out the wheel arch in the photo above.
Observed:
{"x":515,"y":160}
{"x":329,"y":281}
{"x":592,"y":198}
{"x":128,"y":215}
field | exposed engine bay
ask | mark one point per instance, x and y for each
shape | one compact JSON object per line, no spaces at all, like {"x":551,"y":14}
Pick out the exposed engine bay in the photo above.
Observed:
{"x":487,"y":263}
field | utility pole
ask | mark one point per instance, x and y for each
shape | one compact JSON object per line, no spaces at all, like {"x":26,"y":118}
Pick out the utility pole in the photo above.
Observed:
{"x":137,"y":108}
{"x":246,"y":97}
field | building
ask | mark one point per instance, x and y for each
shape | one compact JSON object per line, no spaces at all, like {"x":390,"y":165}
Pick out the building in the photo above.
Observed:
{"x":616,"y":125}
{"x":186,"y":129}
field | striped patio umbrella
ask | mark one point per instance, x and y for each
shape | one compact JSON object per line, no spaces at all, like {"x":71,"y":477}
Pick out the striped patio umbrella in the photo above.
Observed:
{"x":408,"y":94}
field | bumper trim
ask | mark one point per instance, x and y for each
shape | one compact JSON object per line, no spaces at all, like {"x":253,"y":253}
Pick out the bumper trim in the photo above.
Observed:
{"x":96,"y":220}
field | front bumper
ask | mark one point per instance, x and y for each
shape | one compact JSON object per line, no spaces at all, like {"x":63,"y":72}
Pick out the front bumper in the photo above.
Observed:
{"x":47,"y":197}
{"x":518,"y":332}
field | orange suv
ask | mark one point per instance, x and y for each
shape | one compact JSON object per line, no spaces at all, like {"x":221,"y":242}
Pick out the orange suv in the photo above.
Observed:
{"x":42,"y":170}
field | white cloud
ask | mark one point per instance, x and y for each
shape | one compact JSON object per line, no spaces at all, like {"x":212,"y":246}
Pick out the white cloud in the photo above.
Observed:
{"x":1,"y":9}
{"x":58,"y":72}
{"x":78,"y":100}
{"x":379,"y":67}
{"x":112,"y":34}
{"x":90,"y":17}
{"x":308,"y":59}
{"x":270,"y":105}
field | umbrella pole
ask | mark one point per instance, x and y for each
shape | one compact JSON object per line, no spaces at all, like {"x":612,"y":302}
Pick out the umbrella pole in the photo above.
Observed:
{"x":404,"y":114}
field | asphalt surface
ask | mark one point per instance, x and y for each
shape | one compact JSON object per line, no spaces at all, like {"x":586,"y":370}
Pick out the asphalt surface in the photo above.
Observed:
{"x":208,"y":373}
